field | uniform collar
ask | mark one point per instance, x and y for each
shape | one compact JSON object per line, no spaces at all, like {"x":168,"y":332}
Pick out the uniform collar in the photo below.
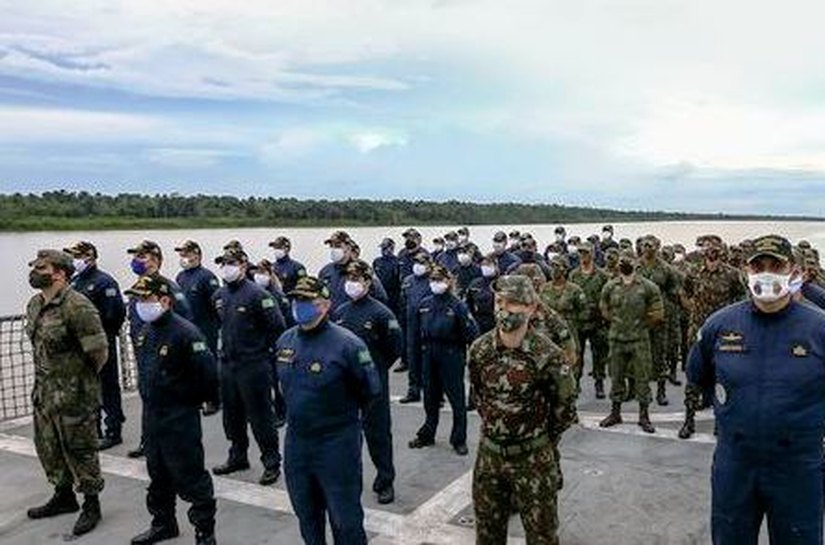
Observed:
{"x":525,"y":346}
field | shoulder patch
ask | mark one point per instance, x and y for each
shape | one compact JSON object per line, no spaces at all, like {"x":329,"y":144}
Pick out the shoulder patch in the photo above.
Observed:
{"x":364,"y":357}
{"x":199,"y":346}
{"x":269,"y":302}
{"x":214,"y":282}
{"x":393,"y":324}
{"x":111,"y":292}
{"x":179,"y":296}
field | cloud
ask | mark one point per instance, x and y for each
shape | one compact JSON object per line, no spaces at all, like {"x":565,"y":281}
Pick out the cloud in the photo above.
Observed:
{"x":20,"y":124}
{"x":298,"y":142}
{"x":369,"y":141}
{"x":188,"y":158}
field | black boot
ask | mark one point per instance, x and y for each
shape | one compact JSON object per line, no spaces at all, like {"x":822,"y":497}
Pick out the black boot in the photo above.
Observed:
{"x":89,"y":515}
{"x":411,"y":397}
{"x":205,"y":538}
{"x":231,"y":466}
{"x":136,"y":452}
{"x":111,"y":439}
{"x":661,"y":395}
{"x":63,"y":501}
{"x":672,"y":378}
{"x":157,"y":532}
{"x":644,"y":420}
{"x":599,"y":388}
{"x":689,"y":427}
{"x":615,"y":416}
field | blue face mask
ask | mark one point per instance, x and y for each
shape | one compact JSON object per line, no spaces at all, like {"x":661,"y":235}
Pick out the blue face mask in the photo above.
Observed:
{"x":138,"y":267}
{"x":304,"y":312}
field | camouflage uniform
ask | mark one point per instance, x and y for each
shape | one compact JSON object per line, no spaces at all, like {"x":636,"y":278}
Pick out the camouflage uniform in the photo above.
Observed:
{"x":631,"y":310}
{"x":550,"y":323}
{"x":526,"y":399}
{"x":64,"y":333}
{"x":707,"y":291}
{"x":592,"y":326}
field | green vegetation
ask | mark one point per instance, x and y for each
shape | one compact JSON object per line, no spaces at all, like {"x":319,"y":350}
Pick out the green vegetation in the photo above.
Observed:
{"x":61,"y":210}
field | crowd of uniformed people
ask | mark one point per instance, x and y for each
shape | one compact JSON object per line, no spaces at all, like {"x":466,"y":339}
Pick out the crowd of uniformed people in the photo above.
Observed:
{"x":501,"y":331}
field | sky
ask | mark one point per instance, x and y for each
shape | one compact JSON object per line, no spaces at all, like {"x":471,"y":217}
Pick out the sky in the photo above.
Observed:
{"x":691,"y":105}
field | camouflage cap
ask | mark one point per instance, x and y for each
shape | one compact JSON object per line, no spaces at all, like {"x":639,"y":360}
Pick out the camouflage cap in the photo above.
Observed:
{"x":612,"y":253}
{"x":57,"y":259}
{"x":575,"y":239}
{"x":263,"y":264}
{"x":627,"y":255}
{"x":339,"y":237}
{"x":309,"y":287}
{"x":772,"y":245}
{"x":189,"y":246}
{"x":586,"y":247}
{"x":281,"y":242}
{"x":559,"y":261}
{"x":149,"y":285}
{"x":233,"y":245}
{"x":232,"y":255}
{"x":358,"y":268}
{"x":516,"y":288}
{"x":463,"y":231}
{"x":679,"y":248}
{"x":82,"y":249}
{"x":411,"y":233}
{"x":146,"y":247}
{"x":804,"y":244}
{"x":625,"y":243}
{"x":452,"y":235}
{"x":440,"y":272}
{"x":529,"y":243}
{"x":500,"y":236}
{"x":422,"y":257}
{"x":594,"y":239}
{"x":387,"y":243}
{"x":531,"y":271}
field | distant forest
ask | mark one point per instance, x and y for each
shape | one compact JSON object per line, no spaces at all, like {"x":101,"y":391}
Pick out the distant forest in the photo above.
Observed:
{"x":63,"y":210}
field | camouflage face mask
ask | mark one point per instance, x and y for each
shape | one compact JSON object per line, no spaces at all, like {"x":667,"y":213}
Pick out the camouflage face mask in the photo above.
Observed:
{"x":510,"y":321}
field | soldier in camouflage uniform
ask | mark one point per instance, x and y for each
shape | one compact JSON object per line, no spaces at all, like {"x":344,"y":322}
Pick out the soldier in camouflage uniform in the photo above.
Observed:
{"x":673,"y":316}
{"x":632,"y":304}
{"x":707,"y":289}
{"x":611,"y":263}
{"x":653,"y":267}
{"x":682,"y":267}
{"x":525,"y":396}
{"x":568,"y":300}
{"x":592,"y":326}
{"x":69,"y":347}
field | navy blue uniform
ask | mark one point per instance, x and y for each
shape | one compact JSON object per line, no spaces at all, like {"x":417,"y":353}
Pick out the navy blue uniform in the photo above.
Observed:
{"x":464,"y":275}
{"x":250,"y":324}
{"x":529,"y":256}
{"x":377,"y":326}
{"x":178,"y":375}
{"x":767,"y":372}
{"x":506,"y":261}
{"x":328,"y":379}
{"x":413,"y":290}
{"x":104,"y":292}
{"x":198,"y":285}
{"x":288,"y":272}
{"x":814,"y":293}
{"x":387,"y":269}
{"x":448,"y":259}
{"x":335,"y":274}
{"x":179,"y":305}
{"x":278,"y":403}
{"x":480,"y":301}
{"x":444,"y":328}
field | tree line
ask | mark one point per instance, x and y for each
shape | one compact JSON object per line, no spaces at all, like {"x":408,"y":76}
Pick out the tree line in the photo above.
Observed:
{"x":58,"y":210}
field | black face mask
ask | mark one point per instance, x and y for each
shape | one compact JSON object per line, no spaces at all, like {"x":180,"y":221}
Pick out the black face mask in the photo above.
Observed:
{"x":410,"y":244}
{"x":626,"y":268}
{"x":40,"y":281}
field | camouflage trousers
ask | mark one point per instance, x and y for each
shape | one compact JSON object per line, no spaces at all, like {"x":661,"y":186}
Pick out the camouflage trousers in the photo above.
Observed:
{"x":630,"y":359}
{"x":529,"y":482}
{"x":597,"y":335}
{"x":673,"y":344}
{"x":658,"y":349}
{"x":66,"y":445}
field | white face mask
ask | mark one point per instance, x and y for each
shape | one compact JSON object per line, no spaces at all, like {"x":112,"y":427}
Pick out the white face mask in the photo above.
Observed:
{"x":559,"y":237}
{"x":607,"y":235}
{"x":262,"y":279}
{"x":419,"y":269}
{"x":80,"y":265}
{"x":572,"y":249}
{"x":186,"y":263}
{"x":149,"y":311}
{"x":230,"y":273}
{"x":353,"y":289}
{"x":488,"y":271}
{"x":463,"y":238}
{"x":795,"y":285}
{"x":499,"y":246}
{"x":551,"y":255}
{"x":451,"y":245}
{"x":279,"y":253}
{"x":439,"y":287}
{"x":336,"y":255}
{"x":769,"y":287}
{"x":439,"y":247}
{"x":464,"y":259}
{"x":678,"y":257}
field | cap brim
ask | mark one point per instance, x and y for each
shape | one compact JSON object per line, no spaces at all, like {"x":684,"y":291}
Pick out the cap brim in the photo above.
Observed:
{"x":778,"y":256}
{"x":301,"y":294}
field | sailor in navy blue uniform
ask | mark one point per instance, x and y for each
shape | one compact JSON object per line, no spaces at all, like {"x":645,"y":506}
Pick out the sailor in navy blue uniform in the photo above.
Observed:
{"x":444,"y":328}
{"x":178,"y":375}
{"x":764,"y":361}
{"x":333,"y":274}
{"x":250,"y":324}
{"x":480,"y":298}
{"x":505,"y":259}
{"x":449,"y":257}
{"x":287,"y":269}
{"x":412,"y":246}
{"x":329,"y":380}
{"x":377,"y":326}
{"x":414,"y":288}
{"x":388,"y":270}
{"x":104,"y":292}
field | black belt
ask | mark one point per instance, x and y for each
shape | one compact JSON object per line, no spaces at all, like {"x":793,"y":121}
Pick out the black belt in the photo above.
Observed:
{"x":524,"y":447}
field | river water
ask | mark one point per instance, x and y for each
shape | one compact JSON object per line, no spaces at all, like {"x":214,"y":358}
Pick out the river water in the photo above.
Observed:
{"x":307,"y":244}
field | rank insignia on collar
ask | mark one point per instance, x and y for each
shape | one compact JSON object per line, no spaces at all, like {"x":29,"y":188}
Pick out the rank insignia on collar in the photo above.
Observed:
{"x":315,"y":367}
{"x":286,"y":355}
{"x":799,"y":351}
{"x":164,"y":350}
